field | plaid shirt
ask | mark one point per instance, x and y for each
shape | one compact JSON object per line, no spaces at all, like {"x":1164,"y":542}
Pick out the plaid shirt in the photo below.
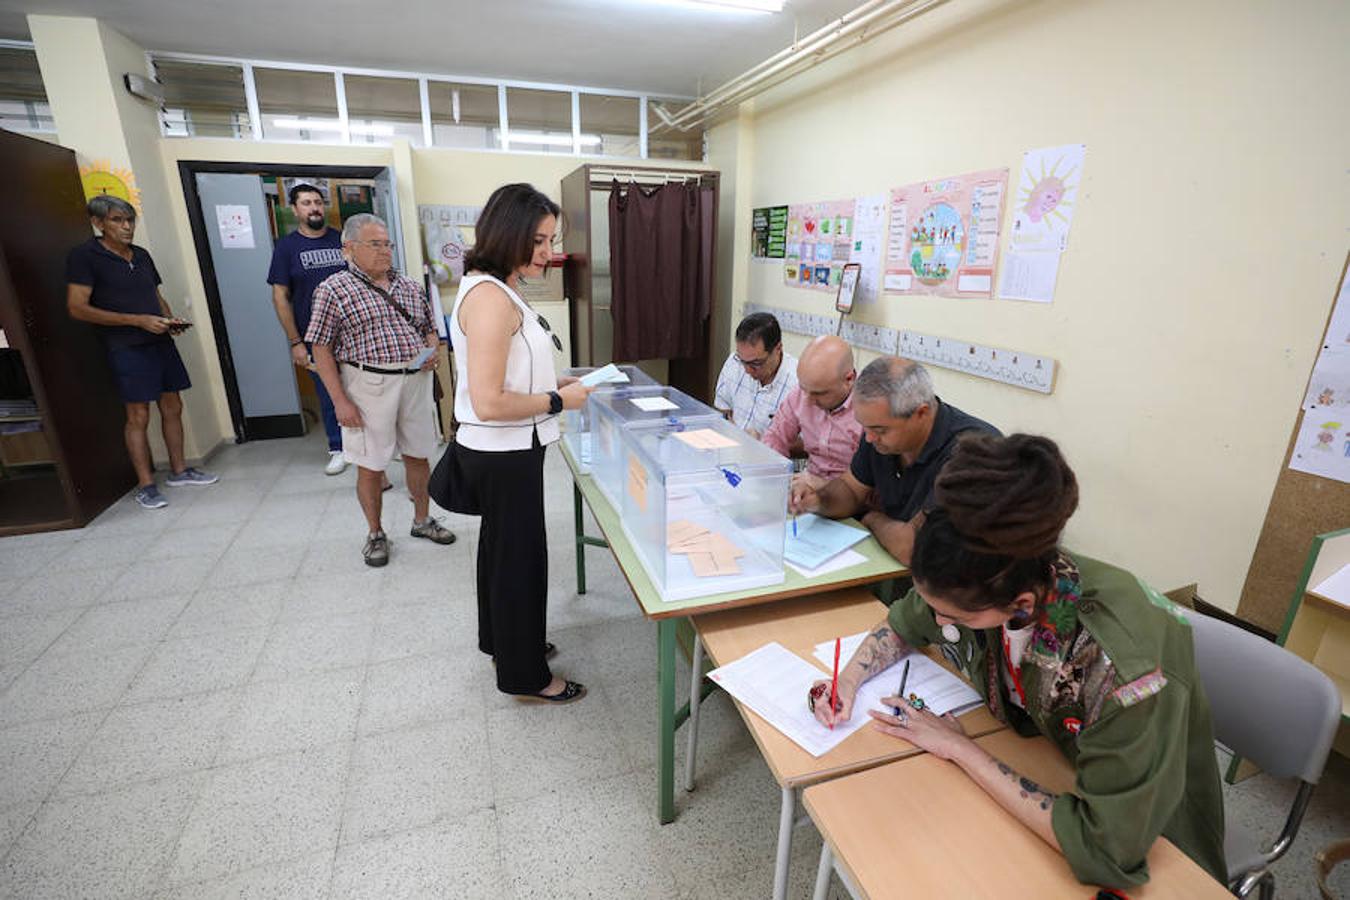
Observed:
{"x":829,"y":438}
{"x":358,"y":323}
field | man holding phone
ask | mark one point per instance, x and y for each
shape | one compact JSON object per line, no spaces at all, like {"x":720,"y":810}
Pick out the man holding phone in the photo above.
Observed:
{"x":375,"y":345}
{"x":300,"y":262}
{"x":112,"y":283}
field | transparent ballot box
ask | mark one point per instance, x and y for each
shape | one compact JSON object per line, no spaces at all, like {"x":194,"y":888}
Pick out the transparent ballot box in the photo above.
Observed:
{"x":576,"y":423}
{"x":704,"y":506}
{"x":614,"y":412}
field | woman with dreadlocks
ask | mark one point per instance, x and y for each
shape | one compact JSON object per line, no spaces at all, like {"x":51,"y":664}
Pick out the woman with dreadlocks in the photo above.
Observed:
{"x":1060,"y":645}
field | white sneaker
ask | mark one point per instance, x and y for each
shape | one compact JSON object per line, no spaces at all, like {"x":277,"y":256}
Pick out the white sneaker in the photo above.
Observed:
{"x":336,"y":464}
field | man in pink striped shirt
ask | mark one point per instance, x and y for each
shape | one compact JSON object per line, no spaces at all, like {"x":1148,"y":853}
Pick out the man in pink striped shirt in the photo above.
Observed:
{"x":816,"y":416}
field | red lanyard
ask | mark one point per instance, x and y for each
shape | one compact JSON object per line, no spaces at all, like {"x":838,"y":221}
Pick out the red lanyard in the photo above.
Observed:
{"x":1015,"y":673}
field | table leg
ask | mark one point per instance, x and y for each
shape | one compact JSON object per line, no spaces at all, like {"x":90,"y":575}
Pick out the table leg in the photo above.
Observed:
{"x":695,"y":684}
{"x":785,"y":822}
{"x":580,"y":537}
{"x":823,"y":873}
{"x":665,"y":639}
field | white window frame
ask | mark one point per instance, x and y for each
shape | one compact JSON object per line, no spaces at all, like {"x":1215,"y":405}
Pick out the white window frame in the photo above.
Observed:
{"x":423,"y":79}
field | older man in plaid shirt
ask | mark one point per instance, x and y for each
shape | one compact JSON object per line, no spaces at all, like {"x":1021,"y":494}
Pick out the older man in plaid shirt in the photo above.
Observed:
{"x":371,"y":328}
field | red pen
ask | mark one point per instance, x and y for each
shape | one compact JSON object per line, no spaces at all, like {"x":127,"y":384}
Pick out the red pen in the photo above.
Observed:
{"x":834,"y":685}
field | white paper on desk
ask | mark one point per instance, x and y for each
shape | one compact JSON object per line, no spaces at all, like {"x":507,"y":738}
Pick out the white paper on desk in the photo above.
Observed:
{"x":942,"y":692}
{"x":812,"y":541}
{"x":833,"y":564}
{"x":1337,"y":587}
{"x":652,"y":404}
{"x":773,"y":682}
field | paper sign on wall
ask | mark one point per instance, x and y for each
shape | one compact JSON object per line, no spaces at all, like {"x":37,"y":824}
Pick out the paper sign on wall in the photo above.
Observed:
{"x":819,"y":244}
{"x":1322,"y":446}
{"x":236,"y":227}
{"x":943,"y":235}
{"x":1047,"y":192}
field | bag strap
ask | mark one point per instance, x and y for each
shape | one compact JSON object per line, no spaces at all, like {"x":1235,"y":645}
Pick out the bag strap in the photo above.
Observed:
{"x":385,"y":295}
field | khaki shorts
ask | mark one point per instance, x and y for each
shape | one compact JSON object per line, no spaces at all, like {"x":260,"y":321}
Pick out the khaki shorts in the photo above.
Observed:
{"x":397,"y":413}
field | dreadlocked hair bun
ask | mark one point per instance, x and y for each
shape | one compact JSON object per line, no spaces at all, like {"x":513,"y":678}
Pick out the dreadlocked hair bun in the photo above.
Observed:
{"x":1009,"y":496}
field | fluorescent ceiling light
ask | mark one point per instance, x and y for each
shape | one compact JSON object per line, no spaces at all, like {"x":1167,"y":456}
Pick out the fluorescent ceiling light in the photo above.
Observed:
{"x":377,"y":129}
{"x":758,"y":6}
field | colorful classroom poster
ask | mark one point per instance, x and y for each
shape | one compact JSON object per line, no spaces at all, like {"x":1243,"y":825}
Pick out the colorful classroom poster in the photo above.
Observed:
{"x":1322,"y":446}
{"x":768,"y":232}
{"x":869,"y":234}
{"x":819,"y":244}
{"x":943,"y":235}
{"x":1046,"y":193}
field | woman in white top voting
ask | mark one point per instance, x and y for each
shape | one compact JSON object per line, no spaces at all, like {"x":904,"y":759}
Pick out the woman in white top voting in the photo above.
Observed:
{"x":507,"y":402}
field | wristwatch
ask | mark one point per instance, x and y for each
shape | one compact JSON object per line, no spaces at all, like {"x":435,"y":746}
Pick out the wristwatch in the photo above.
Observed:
{"x":554,"y":403}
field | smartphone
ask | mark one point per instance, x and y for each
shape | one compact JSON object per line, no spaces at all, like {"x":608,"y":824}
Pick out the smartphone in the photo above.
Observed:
{"x":178,"y":326}
{"x":422,"y":358}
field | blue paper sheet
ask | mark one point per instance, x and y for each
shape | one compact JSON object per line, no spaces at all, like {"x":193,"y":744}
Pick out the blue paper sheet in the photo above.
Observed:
{"x":818,"y":539}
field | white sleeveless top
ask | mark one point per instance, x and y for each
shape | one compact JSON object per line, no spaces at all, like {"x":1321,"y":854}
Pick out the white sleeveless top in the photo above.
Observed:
{"x":529,"y":370}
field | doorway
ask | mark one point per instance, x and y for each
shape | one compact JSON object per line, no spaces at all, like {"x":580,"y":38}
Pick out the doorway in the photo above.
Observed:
{"x":237,"y":212}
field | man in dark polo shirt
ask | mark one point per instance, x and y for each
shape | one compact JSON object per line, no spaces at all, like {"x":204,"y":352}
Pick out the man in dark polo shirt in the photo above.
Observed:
{"x":908,"y":435}
{"x":112,"y":283}
{"x":300,"y":261}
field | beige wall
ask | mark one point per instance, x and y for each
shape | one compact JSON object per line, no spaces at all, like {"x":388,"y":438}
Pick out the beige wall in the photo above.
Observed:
{"x":1204,"y":254}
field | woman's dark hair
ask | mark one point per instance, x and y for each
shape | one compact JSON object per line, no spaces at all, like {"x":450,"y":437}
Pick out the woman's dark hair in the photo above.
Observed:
{"x":1002,"y":504}
{"x":503,"y":238}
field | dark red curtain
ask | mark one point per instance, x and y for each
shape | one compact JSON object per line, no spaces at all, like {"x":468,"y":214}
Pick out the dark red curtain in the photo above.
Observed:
{"x":660,"y":259}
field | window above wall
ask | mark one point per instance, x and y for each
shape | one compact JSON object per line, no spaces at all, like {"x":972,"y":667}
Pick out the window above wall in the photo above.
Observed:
{"x":271,"y":101}
{"x":23,"y":99}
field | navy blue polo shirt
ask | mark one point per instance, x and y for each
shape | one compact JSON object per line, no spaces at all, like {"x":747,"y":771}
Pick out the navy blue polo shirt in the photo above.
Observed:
{"x":118,"y":286}
{"x":906,"y":491}
{"x":300,"y":264}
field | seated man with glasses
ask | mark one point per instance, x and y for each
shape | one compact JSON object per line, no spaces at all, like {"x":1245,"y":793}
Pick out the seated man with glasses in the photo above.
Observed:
{"x":908,"y":436}
{"x":376,"y":325}
{"x":755,"y":379}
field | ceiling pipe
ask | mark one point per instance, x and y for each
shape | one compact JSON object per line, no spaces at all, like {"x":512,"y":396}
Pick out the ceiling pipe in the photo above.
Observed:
{"x":865,"y":22}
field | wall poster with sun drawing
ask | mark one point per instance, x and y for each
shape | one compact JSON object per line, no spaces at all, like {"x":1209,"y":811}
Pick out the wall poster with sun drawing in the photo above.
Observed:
{"x":1047,"y":192}
{"x":943,"y":236}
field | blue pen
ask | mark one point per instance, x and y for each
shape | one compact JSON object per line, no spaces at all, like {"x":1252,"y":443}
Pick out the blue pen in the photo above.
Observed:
{"x":904,"y":679}
{"x":794,"y":525}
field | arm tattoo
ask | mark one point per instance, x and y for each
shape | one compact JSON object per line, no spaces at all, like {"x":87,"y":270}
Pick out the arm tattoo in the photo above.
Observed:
{"x":1029,"y":789}
{"x":879,"y":651}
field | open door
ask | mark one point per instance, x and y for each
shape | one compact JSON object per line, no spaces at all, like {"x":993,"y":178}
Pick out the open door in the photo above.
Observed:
{"x":385,"y":201}
{"x":240,"y":243}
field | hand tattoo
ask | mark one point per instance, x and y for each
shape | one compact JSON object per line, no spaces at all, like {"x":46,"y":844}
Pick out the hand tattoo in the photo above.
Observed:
{"x":1029,"y":789}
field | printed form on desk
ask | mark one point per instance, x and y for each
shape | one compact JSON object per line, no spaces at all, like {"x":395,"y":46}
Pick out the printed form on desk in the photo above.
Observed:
{"x":941,"y":691}
{"x":773,"y":682}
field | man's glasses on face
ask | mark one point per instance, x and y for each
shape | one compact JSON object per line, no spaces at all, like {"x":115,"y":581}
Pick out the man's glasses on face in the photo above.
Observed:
{"x":377,"y":245}
{"x":543,"y":323}
{"x":756,"y":364}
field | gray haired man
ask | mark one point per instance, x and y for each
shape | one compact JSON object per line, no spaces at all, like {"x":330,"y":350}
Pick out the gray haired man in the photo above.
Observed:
{"x":371,"y":329}
{"x":113,"y":284}
{"x":908,"y":436}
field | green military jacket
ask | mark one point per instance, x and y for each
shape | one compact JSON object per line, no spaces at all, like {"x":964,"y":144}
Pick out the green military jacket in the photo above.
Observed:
{"x":1110,"y":678}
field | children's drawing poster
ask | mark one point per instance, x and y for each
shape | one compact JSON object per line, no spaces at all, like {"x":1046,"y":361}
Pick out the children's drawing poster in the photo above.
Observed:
{"x":1047,"y":192}
{"x":819,"y":244}
{"x":943,"y":236}
{"x":1322,"y":446}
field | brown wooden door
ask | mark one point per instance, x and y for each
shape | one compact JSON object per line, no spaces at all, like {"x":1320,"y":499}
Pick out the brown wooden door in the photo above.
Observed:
{"x":83,"y":416}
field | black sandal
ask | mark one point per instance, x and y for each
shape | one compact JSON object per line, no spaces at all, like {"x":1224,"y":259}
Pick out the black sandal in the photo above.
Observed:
{"x":569,"y":694}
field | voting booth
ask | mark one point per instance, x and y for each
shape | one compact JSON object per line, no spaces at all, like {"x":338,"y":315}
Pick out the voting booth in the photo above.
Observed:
{"x":704,"y":505}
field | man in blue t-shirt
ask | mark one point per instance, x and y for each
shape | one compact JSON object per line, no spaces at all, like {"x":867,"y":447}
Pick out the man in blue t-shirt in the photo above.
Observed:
{"x":112,"y":283}
{"x":300,"y":261}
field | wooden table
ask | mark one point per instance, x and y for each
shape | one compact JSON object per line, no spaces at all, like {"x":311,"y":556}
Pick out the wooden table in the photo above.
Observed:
{"x":878,"y":566}
{"x":921,"y":828}
{"x":799,"y":625}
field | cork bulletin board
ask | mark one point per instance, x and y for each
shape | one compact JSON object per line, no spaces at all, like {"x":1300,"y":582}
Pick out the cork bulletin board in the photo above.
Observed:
{"x":1301,"y":507}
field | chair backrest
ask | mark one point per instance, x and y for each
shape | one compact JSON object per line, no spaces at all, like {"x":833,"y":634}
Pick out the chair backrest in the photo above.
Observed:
{"x":1268,"y":705}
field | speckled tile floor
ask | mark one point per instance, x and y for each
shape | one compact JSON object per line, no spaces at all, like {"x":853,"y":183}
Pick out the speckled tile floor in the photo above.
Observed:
{"x":218,"y":699}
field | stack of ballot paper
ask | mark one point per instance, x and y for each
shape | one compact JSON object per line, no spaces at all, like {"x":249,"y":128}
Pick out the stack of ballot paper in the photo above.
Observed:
{"x":816,"y":541}
{"x":941,"y":691}
{"x":705,"y":439}
{"x":608,"y":374}
{"x":773,"y":682}
{"x":709,"y":552}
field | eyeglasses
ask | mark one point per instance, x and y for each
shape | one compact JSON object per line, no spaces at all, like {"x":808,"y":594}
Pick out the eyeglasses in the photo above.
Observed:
{"x":543,"y":323}
{"x":376,"y":245}
{"x":756,"y":364}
